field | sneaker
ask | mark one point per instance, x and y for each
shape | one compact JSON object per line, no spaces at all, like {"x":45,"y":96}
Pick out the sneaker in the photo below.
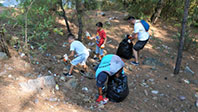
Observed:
{"x":95,"y":57}
{"x":67,"y":75}
{"x":134,"y":63}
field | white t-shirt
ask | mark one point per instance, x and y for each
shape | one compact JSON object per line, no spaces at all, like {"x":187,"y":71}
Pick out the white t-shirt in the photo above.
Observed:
{"x":78,"y":47}
{"x":139,"y":28}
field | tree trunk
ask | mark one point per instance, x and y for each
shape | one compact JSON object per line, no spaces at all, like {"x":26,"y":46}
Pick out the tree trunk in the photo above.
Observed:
{"x":182,"y":38}
{"x":157,"y":12}
{"x":3,"y":45}
{"x":79,"y":15}
{"x":64,"y":16}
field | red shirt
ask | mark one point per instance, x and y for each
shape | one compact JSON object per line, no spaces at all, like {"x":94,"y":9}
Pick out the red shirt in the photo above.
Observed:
{"x":102,"y":35}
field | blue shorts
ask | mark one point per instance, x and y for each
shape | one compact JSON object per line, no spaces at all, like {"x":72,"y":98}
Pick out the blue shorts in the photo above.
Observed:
{"x":81,"y":59}
{"x":99,"y":50}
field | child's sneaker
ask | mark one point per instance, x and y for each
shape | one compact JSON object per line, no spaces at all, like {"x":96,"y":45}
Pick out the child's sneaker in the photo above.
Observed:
{"x":68,"y":75}
{"x":134,"y":63}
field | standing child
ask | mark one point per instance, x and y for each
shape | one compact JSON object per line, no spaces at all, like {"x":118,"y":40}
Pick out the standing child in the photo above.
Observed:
{"x":100,"y":41}
{"x":81,"y":53}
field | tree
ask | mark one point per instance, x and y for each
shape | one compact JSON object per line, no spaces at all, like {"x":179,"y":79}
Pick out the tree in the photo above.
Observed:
{"x":182,"y":38}
{"x":79,"y":9}
{"x":64,"y":16}
{"x":157,"y":12}
{"x":3,"y":45}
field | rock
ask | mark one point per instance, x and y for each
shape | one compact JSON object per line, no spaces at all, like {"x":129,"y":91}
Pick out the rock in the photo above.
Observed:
{"x":49,"y":81}
{"x":62,"y":78}
{"x":126,"y":15}
{"x":72,"y":83}
{"x":195,"y":82}
{"x":100,"y":106}
{"x":152,"y":62}
{"x":58,"y":56}
{"x":33,"y":85}
{"x":29,"y":75}
{"x":145,"y":92}
{"x":188,"y":70}
{"x":3,"y":56}
{"x":130,"y":68}
{"x":36,"y":100}
{"x":154,"y":98}
{"x":87,"y":99}
{"x":154,"y":91}
{"x":108,"y":23}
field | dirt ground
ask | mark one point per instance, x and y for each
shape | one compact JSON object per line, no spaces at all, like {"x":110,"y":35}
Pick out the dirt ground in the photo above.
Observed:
{"x":174,"y":94}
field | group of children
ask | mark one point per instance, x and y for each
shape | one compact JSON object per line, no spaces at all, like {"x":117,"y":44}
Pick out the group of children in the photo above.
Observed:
{"x":110,"y":65}
{"x":82,"y":53}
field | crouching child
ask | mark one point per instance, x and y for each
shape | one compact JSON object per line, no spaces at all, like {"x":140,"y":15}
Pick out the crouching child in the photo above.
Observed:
{"x":111,"y":68}
{"x":82,"y":53}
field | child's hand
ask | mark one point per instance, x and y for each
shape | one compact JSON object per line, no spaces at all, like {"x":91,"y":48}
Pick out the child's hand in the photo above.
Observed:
{"x":102,"y":46}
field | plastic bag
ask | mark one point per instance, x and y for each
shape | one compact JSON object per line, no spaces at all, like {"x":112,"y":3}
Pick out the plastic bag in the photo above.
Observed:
{"x":117,"y":88}
{"x":125,"y":48}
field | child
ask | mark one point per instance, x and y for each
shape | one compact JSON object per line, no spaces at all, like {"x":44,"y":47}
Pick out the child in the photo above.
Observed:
{"x":100,"y":41}
{"x":81,"y":51}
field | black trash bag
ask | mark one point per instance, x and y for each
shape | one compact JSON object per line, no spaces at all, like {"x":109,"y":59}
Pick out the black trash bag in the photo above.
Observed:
{"x":125,"y":49}
{"x":117,"y":88}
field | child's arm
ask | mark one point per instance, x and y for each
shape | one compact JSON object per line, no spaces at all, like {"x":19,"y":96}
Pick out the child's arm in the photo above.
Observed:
{"x":105,"y":41}
{"x":71,"y":55}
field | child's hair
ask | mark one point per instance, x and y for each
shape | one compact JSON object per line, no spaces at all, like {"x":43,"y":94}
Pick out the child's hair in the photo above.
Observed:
{"x":70,"y":36}
{"x":131,"y":18}
{"x":99,"y":24}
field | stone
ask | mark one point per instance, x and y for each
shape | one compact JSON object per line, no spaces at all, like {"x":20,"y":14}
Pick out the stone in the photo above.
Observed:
{"x":188,"y":70}
{"x":145,"y":92}
{"x":195,"y":82}
{"x":154,"y":98}
{"x":108,"y":23}
{"x":86,"y":99}
{"x":29,"y":75}
{"x":72,"y":83}
{"x":3,"y":56}
{"x":62,"y":78}
{"x":152,"y":62}
{"x":36,"y":101}
{"x":130,"y":68}
{"x":33,"y":85}
{"x":58,"y":56}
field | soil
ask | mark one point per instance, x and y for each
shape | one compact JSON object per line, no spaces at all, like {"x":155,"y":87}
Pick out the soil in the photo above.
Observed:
{"x":142,"y":79}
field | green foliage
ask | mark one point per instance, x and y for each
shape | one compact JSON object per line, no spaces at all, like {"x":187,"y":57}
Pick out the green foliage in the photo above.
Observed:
{"x":91,"y":4}
{"x":190,"y":42}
